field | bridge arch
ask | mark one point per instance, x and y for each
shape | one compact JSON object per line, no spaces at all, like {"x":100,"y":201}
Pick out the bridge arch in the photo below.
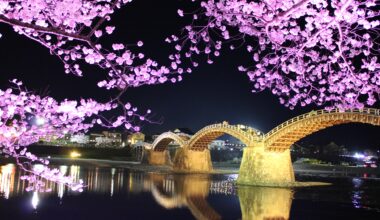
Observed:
{"x":162,"y":141}
{"x":206,"y":135}
{"x":286,"y":134}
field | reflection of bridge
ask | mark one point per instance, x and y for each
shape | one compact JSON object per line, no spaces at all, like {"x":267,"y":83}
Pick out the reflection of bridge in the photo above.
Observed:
{"x":192,"y":190}
{"x":266,"y":159}
{"x":189,"y":191}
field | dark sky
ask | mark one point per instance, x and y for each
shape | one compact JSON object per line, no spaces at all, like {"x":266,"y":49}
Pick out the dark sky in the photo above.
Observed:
{"x":212,"y":93}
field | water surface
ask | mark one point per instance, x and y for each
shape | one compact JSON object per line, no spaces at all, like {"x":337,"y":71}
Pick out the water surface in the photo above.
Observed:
{"x":117,"y":193}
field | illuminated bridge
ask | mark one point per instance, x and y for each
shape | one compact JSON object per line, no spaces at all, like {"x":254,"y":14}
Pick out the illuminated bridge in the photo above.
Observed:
{"x":266,"y":159}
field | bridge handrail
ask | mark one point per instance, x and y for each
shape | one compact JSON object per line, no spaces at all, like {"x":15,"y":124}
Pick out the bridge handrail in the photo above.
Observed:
{"x":321,"y":112}
{"x":159,"y":138}
{"x":230,"y":127}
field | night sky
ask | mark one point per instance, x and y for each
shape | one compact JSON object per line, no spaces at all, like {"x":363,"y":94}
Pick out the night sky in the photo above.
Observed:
{"x":211,"y":94}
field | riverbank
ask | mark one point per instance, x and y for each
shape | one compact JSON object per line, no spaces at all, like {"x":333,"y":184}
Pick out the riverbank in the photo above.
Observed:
{"x":223,"y":168}
{"x":119,"y":154}
{"x":219,"y":168}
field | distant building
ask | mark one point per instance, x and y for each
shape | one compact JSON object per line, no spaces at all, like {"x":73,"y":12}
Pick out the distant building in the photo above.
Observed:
{"x":109,"y":139}
{"x":105,"y":139}
{"x":103,"y":142}
{"x":80,"y":139}
{"x":93,"y":137}
{"x":135,"y":138}
{"x":114,"y":136}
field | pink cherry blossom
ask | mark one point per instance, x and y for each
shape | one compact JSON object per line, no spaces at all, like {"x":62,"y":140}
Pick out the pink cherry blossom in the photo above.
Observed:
{"x":110,"y":29}
{"x":98,"y":33}
{"x":304,"y":51}
{"x":68,"y":29}
{"x":26,"y":118}
{"x":180,"y":12}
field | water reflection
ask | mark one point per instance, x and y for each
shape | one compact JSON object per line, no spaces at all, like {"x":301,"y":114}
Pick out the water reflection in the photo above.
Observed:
{"x":97,"y":180}
{"x":189,"y":191}
{"x":61,"y":186}
{"x":265,"y":203}
{"x":168,"y":190}
{"x":35,"y":200}
{"x":357,"y":193}
{"x":7,"y":180}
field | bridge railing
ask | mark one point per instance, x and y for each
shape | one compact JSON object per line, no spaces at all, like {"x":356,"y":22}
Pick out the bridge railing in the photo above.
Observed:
{"x":246,"y":134}
{"x":369,"y":111}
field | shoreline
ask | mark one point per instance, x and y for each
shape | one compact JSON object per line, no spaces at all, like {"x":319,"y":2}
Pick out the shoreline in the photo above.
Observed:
{"x":221,"y":168}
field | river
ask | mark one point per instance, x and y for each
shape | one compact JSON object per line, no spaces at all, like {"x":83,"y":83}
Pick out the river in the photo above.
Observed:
{"x":118,"y":193}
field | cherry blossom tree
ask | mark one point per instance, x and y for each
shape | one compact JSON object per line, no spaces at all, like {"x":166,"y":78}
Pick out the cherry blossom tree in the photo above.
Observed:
{"x":26,"y":118}
{"x":72,"y":31}
{"x":322,"y":52}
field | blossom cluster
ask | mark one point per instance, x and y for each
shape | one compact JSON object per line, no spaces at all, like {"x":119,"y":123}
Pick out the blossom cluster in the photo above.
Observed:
{"x":322,"y":52}
{"x":71,"y":30}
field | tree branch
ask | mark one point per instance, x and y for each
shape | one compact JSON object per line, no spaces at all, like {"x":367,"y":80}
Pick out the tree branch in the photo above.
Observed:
{"x":48,"y":30}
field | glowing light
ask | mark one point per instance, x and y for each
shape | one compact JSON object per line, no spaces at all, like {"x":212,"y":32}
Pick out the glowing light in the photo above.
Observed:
{"x":232,"y":176}
{"x":7,"y":168}
{"x":35,"y":200}
{"x":75,"y":154}
{"x":40,"y":121}
{"x":74,"y":172}
{"x":359,"y":156}
{"x":112,"y":180}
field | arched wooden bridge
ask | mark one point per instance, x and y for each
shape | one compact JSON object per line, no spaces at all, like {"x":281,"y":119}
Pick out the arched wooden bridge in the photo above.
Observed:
{"x":266,"y":159}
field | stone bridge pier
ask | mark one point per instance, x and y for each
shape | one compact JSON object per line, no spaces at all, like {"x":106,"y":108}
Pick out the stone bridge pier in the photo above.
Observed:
{"x":262,"y":167}
{"x":153,"y":157}
{"x":189,"y":160}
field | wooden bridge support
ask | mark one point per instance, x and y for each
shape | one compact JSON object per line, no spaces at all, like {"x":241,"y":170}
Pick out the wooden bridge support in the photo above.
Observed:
{"x":261,"y":167}
{"x":192,"y":161}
